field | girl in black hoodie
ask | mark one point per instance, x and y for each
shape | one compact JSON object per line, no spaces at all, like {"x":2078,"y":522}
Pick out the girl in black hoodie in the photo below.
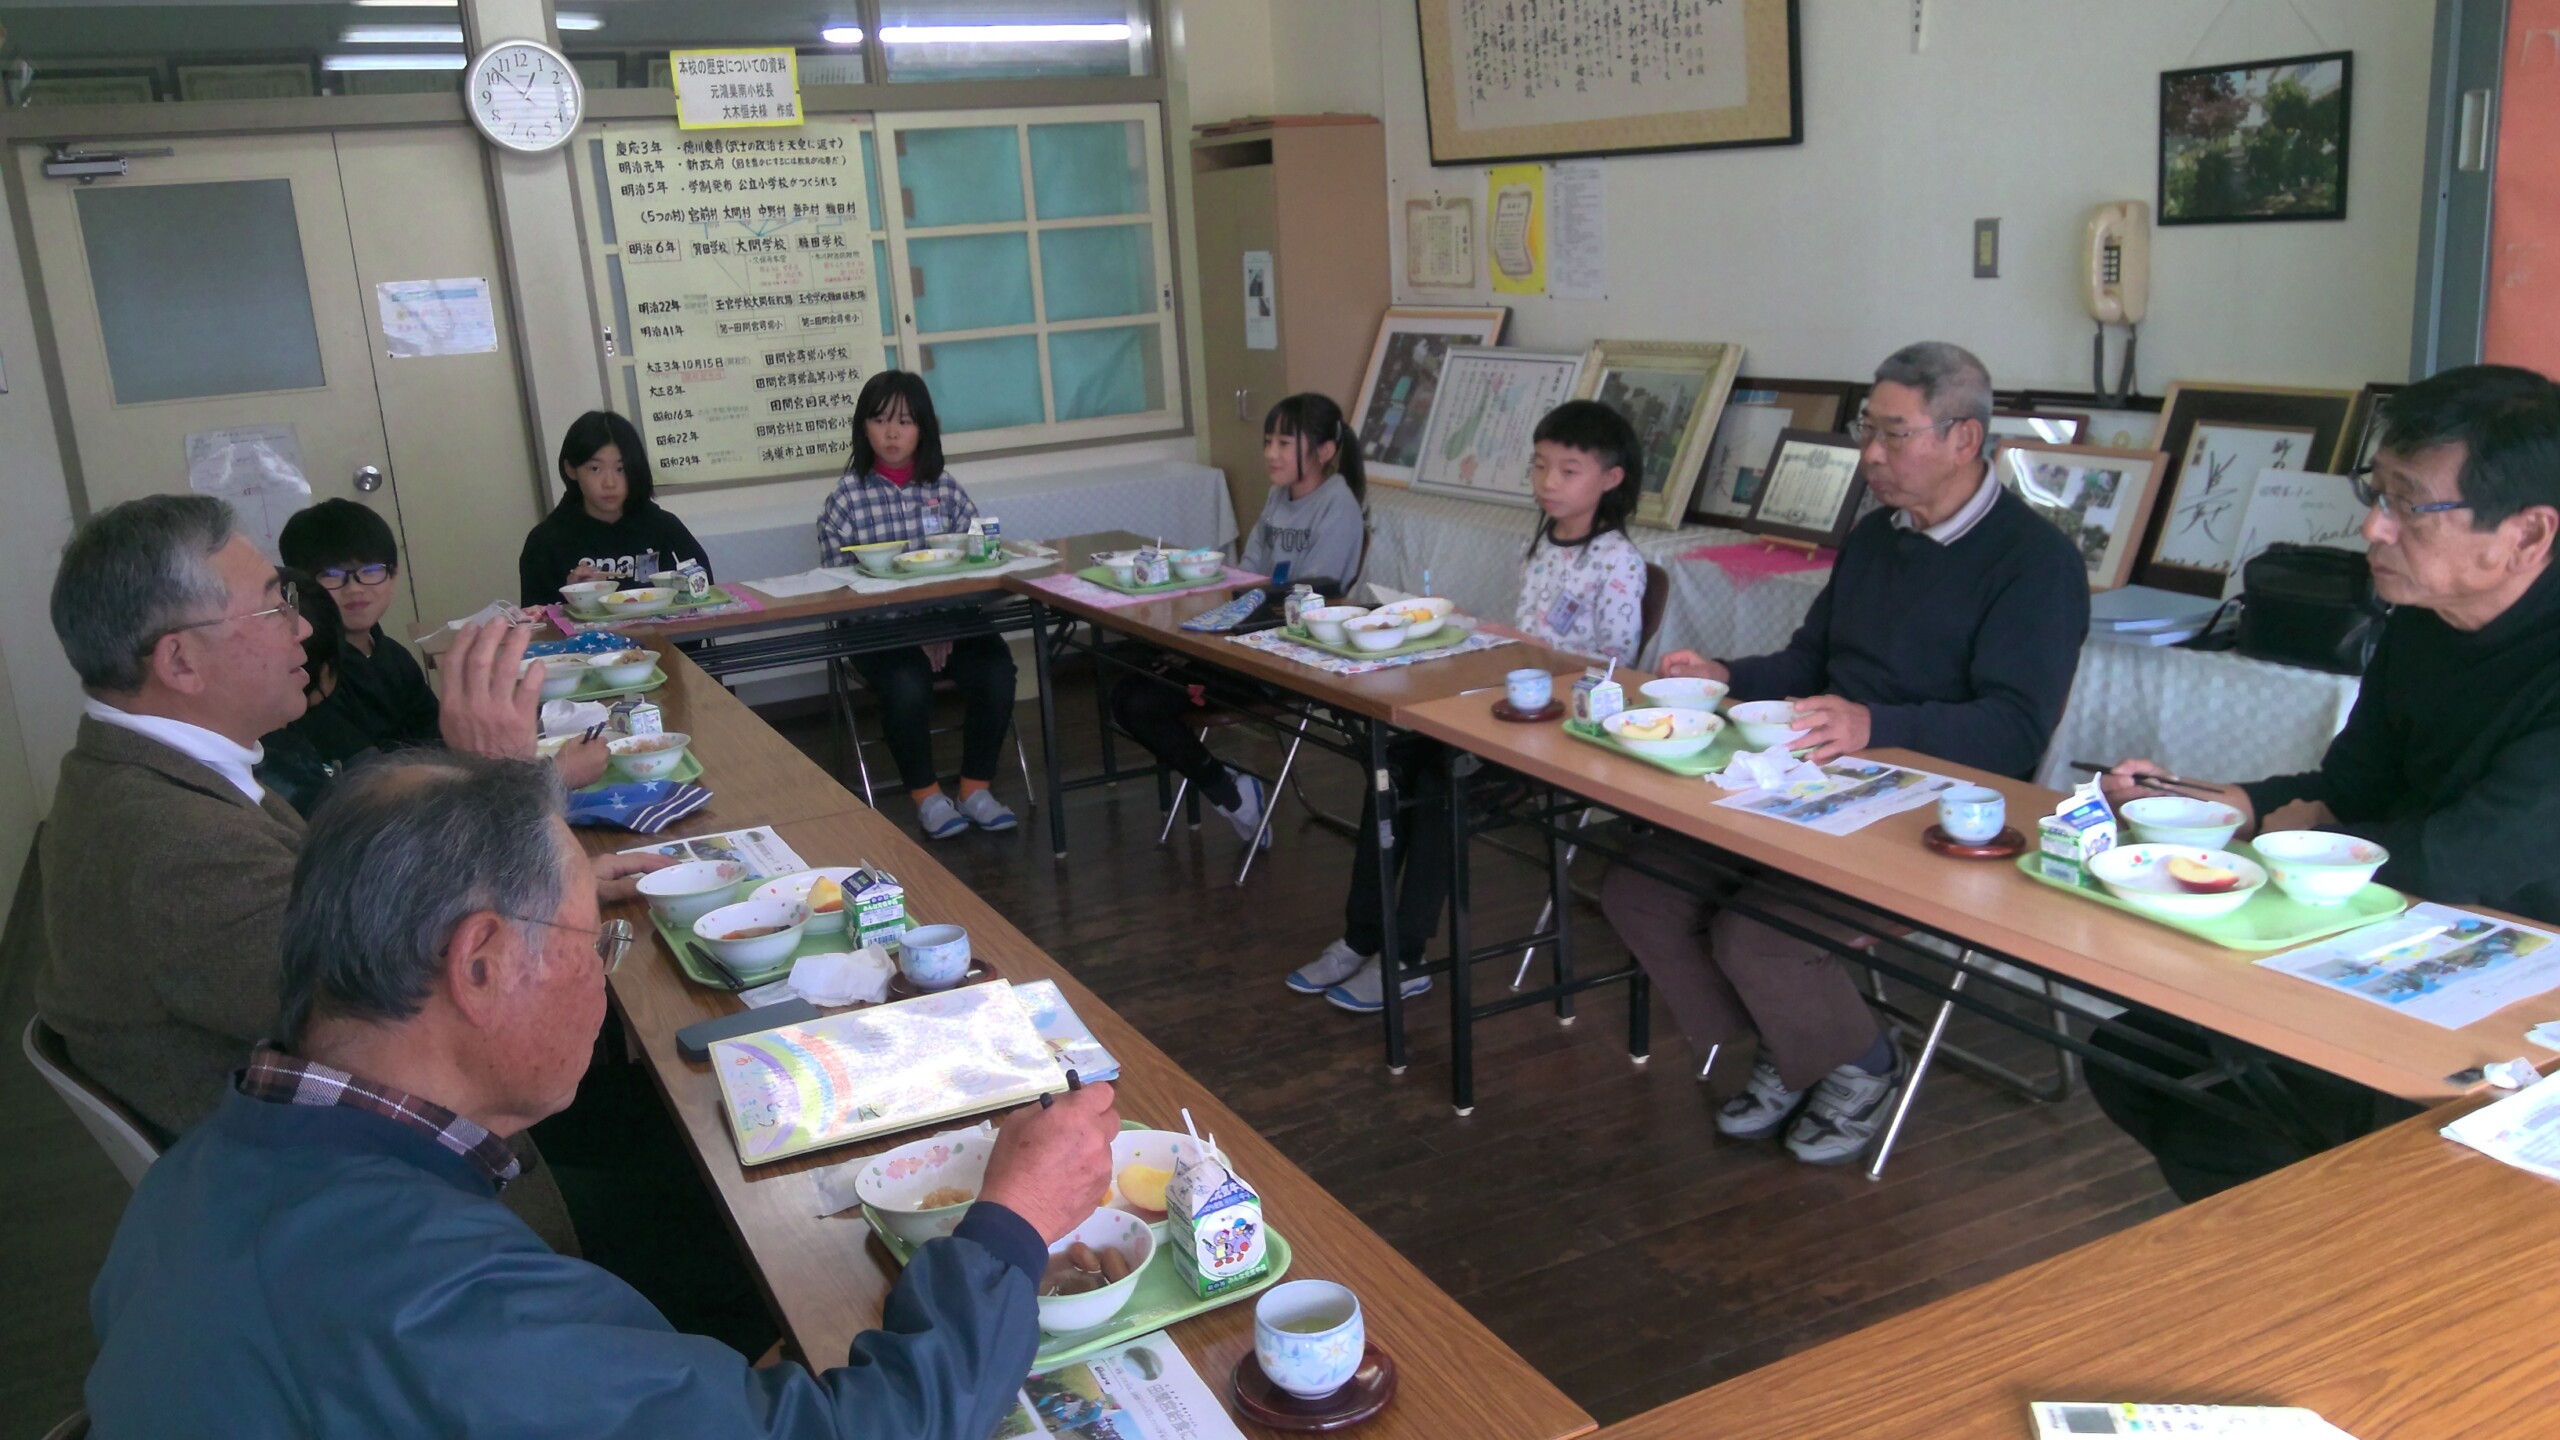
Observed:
{"x":606,"y":526}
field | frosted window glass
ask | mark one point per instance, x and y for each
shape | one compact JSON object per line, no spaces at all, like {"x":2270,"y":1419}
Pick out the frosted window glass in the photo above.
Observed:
{"x":1099,"y":168}
{"x":971,"y":282}
{"x":870,"y":176}
{"x":200,"y":289}
{"x":1107,"y":372}
{"x":888,"y":301}
{"x":967,"y":175}
{"x":1088,"y":274}
{"x":985,"y":384}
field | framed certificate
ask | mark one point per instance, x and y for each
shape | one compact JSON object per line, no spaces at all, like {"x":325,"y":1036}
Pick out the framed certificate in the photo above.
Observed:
{"x":1810,"y":490}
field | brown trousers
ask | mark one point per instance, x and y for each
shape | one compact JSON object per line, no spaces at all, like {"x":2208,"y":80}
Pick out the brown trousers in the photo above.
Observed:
{"x":1726,"y":977}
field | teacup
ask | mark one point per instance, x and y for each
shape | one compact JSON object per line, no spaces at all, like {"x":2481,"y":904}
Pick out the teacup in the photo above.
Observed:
{"x":1529,"y":690}
{"x":1973,"y":814}
{"x":934,"y":957}
{"x":1309,"y":1336}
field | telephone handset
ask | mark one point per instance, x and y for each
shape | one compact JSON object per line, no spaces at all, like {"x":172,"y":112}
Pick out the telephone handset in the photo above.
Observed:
{"x":2116,"y":279}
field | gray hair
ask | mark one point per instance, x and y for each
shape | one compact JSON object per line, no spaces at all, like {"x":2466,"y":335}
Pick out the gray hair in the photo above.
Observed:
{"x":399,"y":855}
{"x":131,"y":575}
{"x":1951,"y":380}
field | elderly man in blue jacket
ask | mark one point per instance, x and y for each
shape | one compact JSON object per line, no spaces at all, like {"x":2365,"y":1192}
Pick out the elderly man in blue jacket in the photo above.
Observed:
{"x":327,"y":1254}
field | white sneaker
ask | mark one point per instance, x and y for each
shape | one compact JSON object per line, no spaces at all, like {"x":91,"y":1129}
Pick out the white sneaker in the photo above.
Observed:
{"x":1762,"y":1109}
{"x":1847,"y":1109}
{"x":1247,"y":816}
{"x":1365,"y":992}
{"x":987,"y":812}
{"x":939,"y":818}
{"x":1338,"y":963}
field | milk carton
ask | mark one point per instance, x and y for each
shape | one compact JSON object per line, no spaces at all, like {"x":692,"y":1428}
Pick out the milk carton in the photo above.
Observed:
{"x":1213,"y":1222}
{"x":1596,"y":697}
{"x":639,"y":717}
{"x":875,"y":906}
{"x":2078,"y":831}
{"x":1155,"y":567}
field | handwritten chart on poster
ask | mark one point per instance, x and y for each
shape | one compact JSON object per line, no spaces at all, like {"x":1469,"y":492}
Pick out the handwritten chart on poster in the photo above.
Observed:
{"x":746,"y":278}
{"x":1585,"y":60}
{"x":1489,"y":402}
{"x":2221,"y":470}
{"x":2297,"y":509}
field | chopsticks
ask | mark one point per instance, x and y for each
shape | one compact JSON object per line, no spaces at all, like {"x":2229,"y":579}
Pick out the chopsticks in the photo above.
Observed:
{"x":1075,"y":1082}
{"x":2154,"y":782}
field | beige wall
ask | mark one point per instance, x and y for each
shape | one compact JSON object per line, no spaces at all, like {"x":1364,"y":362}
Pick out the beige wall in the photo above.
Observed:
{"x":18,"y":808}
{"x":35,"y":520}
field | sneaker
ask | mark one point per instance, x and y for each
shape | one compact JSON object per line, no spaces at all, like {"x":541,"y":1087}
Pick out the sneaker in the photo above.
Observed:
{"x":1762,"y":1109}
{"x":1247,"y":816}
{"x":987,"y":812}
{"x":1338,"y":963}
{"x":939,"y":818}
{"x":1847,"y":1109}
{"x":1365,"y":994}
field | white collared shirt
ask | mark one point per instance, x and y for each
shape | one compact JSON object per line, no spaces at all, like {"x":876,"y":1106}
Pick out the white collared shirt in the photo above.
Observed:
{"x":223,"y":757}
{"x":1968,"y":515}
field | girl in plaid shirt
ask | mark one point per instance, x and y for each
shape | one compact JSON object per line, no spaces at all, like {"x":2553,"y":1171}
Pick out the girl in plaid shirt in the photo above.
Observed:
{"x":894,"y":488}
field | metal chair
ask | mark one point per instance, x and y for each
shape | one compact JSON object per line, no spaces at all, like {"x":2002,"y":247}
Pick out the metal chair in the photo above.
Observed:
{"x":840,"y":695}
{"x":117,"y":1130}
{"x":74,"y":1427}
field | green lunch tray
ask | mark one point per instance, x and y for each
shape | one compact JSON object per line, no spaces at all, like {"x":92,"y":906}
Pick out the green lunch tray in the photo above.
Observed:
{"x":713,"y":596}
{"x":688,"y":770}
{"x":2271,"y":920}
{"x":1164,"y":1298}
{"x":695,"y":959}
{"x":1101,"y":575}
{"x":1719,"y":752}
{"x":601,"y":691}
{"x":962,"y":568}
{"x":1436,"y":640}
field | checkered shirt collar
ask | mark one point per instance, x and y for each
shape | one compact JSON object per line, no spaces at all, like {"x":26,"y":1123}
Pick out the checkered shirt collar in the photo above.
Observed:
{"x":282,"y":1079}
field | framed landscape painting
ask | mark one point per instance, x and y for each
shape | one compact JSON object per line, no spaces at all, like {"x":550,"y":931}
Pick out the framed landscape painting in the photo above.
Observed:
{"x":1672,"y":394}
{"x":1756,"y":412}
{"x":2264,"y":140}
{"x":2097,"y":496}
{"x":2219,"y":439}
{"x":1403,"y":380}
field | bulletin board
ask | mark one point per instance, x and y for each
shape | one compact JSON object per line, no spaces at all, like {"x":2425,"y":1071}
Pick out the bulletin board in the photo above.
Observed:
{"x":1506,"y":80}
{"x":735,"y":274}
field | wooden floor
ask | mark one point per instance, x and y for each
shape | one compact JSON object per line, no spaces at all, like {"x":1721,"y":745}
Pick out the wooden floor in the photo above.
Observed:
{"x":1586,"y":1212}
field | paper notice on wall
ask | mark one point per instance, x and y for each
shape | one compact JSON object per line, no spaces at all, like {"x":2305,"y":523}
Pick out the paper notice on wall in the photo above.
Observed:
{"x":1261,"y":301}
{"x":1578,"y":258}
{"x":436,"y":317}
{"x":258,"y":470}
{"x":1440,"y":243}
{"x":722,"y":89}
{"x":1518,"y":240}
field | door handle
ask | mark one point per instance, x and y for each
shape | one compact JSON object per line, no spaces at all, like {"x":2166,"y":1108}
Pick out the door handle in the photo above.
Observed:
{"x":368,"y":478}
{"x":1241,"y":417}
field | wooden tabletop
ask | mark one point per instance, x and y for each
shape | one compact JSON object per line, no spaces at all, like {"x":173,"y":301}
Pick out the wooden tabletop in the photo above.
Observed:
{"x":2423,"y":1314}
{"x":1990,"y":905}
{"x":826,"y":1277}
{"x":755,"y":778}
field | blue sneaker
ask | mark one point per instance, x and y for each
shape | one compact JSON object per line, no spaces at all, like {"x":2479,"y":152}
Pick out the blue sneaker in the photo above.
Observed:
{"x":1251,"y":796}
{"x":1365,"y":993}
{"x":1338,"y":963}
{"x":939,"y":818}
{"x":987,"y":812}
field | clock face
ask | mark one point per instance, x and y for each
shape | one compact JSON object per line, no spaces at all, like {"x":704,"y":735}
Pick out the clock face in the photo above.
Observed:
{"x":524,"y":96}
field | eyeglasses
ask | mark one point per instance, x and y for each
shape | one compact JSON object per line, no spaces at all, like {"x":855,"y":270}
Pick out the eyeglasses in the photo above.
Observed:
{"x":2394,"y":508}
{"x":288,"y":609}
{"x":361,"y":575}
{"x":613,"y":938}
{"x":1865,"y":432}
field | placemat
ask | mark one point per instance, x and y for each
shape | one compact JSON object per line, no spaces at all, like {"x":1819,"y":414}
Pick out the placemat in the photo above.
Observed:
{"x":740,"y":603}
{"x":1103,"y":597}
{"x":1272,"y":642}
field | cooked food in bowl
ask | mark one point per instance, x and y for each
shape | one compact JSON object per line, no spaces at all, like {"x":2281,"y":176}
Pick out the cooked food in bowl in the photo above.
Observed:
{"x":880,"y":557}
{"x":647,"y":600}
{"x":1765,"y":724}
{"x":920,"y":1190}
{"x":647,"y":757}
{"x":682,"y":894}
{"x":753,"y":935}
{"x":1325,"y":621}
{"x":623,"y":667}
{"x":822,"y":890}
{"x":942,"y":1195}
{"x":928,"y":562}
{"x":588,"y":595}
{"x":1200,"y":564}
{"x":2182,"y":882}
{"x":1083,"y":1291}
{"x":1661,"y":733}
{"x":1376,"y":631}
{"x":2180,"y":820}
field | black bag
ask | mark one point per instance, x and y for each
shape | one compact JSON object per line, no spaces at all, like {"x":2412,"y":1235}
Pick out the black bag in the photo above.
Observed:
{"x":2312,"y":606}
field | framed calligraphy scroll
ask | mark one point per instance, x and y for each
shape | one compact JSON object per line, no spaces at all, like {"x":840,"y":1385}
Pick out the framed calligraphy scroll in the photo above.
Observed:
{"x":1547,"y":79}
{"x":2220,"y":439}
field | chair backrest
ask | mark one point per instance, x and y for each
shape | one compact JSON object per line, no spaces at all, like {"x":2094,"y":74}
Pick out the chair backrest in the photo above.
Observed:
{"x":1657,"y":595}
{"x":74,"y":1427}
{"x":1368,"y":533}
{"x":117,"y":1130}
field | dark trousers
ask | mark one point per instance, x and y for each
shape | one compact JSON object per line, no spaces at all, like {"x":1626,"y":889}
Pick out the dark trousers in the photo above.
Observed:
{"x":1159,"y":716}
{"x":902,"y":681}
{"x":2201,"y":1154}
{"x":1421,"y":855}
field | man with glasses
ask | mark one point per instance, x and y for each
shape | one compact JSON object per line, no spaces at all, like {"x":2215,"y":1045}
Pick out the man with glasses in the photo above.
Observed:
{"x":1952,"y":625}
{"x":327,"y":1254}
{"x":2451,"y":758}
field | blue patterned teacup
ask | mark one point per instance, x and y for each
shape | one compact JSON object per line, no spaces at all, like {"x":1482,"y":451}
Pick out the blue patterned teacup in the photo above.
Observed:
{"x":1972,"y":814}
{"x":1308,"y":1336}
{"x":934,"y":957}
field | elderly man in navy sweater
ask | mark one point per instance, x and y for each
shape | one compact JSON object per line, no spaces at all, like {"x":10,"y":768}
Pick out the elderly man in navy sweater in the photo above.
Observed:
{"x":327,"y":1255}
{"x":1952,"y":626}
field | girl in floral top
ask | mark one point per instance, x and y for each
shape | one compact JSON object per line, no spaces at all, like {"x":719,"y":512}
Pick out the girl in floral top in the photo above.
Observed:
{"x":1582,"y":591}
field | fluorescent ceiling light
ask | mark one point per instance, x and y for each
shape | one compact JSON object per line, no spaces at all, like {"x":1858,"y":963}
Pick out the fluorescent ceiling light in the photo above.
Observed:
{"x":450,"y":61}
{"x":1000,"y":34}
{"x":841,"y":34}
{"x":401,"y":35}
{"x":572,"y":20}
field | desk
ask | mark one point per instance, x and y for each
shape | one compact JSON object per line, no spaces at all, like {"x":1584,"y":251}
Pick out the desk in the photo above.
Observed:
{"x":2426,"y":1316}
{"x":1990,"y":907}
{"x":826,"y":1279}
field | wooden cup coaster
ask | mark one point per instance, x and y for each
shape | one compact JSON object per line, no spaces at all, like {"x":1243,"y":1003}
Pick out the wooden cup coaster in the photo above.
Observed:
{"x":901,"y":988}
{"x":1370,"y":1390}
{"x":1504,"y":710}
{"x":2002,"y":846}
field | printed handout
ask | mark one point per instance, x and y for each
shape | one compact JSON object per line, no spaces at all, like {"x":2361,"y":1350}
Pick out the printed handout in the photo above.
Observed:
{"x":2434,"y":963}
{"x":1850,"y":796}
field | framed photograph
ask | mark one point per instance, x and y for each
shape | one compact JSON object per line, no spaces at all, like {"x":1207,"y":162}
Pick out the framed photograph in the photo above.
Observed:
{"x":2039,"y":427}
{"x":1595,"y":78}
{"x":2099,"y":497}
{"x":1812,"y":490}
{"x":2127,"y":423}
{"x":1746,"y":435}
{"x":248,"y":80}
{"x":2263,"y":140}
{"x":2219,"y":439}
{"x":1485,"y":411}
{"x":1672,"y":392}
{"x":84,"y":85}
{"x":1396,"y":395}
{"x":2364,"y":427}
{"x":599,"y":72}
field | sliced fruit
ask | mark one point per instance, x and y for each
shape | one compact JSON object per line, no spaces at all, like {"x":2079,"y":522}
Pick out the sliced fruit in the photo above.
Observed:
{"x":826,"y":897}
{"x":1143,"y":1186}
{"x":2200,"y":877}
{"x":1657,"y":728}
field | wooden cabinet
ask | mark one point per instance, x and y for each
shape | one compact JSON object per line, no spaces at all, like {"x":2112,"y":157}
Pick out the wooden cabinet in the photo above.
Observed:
{"x":1311,"y":190}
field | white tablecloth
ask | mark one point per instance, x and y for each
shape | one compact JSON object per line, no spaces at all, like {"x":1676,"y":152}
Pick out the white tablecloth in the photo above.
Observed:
{"x":2211,"y":715}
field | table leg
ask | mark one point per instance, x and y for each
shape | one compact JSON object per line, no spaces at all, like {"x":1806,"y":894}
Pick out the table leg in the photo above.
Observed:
{"x":1102,"y":712}
{"x":1382,"y":790}
{"x":1560,"y":893}
{"x":1462,"y":1048}
{"x":1041,"y":671}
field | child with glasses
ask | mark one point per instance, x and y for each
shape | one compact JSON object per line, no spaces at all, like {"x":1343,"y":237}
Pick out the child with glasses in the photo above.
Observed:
{"x":350,"y":551}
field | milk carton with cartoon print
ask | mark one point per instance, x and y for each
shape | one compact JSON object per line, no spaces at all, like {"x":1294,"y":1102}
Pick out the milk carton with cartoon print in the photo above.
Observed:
{"x":1213,"y":1222}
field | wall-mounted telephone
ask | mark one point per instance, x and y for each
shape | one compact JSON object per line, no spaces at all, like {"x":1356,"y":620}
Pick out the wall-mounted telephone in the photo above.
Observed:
{"x":2116,"y":281}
